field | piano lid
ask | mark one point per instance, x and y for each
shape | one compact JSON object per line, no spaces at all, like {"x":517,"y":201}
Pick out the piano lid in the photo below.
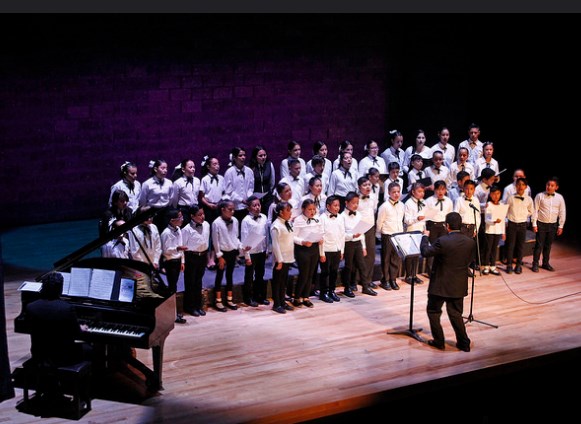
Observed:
{"x":69,"y":260}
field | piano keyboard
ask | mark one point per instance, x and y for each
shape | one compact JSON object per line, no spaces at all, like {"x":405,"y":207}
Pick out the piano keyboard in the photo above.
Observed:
{"x":116,"y":330}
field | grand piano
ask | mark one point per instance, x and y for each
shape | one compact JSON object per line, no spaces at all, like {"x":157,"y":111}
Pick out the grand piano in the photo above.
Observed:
{"x":116,"y":327}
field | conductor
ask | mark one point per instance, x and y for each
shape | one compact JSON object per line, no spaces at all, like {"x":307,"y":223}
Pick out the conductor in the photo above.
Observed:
{"x":452,"y":254}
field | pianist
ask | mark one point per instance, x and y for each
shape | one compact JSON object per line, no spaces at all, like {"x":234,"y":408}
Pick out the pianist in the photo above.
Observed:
{"x":54,"y":328}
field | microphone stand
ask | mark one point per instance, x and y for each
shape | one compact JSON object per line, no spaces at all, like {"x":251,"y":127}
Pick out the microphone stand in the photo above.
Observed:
{"x":470,"y":317}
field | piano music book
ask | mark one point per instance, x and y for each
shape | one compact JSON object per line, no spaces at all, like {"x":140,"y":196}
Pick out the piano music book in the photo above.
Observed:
{"x":100,"y":284}
{"x":30,"y":286}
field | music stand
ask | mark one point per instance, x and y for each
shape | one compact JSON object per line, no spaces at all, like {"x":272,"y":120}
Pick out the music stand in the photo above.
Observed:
{"x":407,"y":245}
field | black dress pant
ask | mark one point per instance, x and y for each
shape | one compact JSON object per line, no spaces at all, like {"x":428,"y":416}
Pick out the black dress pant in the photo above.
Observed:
{"x":254,"y":285}
{"x":195,"y":267}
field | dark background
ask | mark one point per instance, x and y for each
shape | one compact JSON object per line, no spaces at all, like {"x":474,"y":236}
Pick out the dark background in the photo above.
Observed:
{"x":82,"y":93}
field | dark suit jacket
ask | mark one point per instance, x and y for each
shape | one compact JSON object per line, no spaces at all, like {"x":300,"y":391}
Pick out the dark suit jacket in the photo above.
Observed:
{"x":53,"y":331}
{"x":452,"y":254}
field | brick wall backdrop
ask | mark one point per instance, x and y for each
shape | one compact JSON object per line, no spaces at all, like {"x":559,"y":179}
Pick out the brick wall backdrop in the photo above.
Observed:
{"x":67,"y":124}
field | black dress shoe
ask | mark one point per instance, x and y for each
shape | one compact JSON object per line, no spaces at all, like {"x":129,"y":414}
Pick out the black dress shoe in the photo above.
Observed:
{"x":279,"y":309}
{"x":325,"y":298}
{"x":308,"y":303}
{"x":547,"y":267}
{"x":518,"y":269}
{"x":348,"y":293}
{"x":463,"y":348}
{"x":219,"y":307}
{"x":394,"y":285}
{"x":535,"y":268}
{"x":418,"y":281}
{"x":180,"y":319}
{"x":297,"y":303}
{"x":353,"y":287}
{"x":369,"y":291}
{"x":373,"y":285}
{"x":385,"y":286}
{"x":334,"y":297}
{"x":440,"y":346}
{"x":288,"y":307}
{"x":193,"y":312}
{"x":409,"y":280}
{"x":509,"y":269}
{"x":251,"y":302}
{"x":201,"y":312}
{"x":231,"y":305}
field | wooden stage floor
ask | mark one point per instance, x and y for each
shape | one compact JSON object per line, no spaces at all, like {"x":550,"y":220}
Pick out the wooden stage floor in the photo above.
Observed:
{"x":338,"y":363}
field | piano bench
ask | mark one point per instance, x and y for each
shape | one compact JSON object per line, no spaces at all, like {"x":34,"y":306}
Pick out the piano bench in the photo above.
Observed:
{"x":73,"y":380}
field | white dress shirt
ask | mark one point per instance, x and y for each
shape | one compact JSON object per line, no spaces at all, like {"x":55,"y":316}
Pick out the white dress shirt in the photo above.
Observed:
{"x":196,"y":237}
{"x":549,"y":209}
{"x":283,"y":246}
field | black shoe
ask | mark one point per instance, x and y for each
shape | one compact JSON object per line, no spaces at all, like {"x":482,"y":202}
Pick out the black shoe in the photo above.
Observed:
{"x":369,"y":291}
{"x":495,"y":271}
{"x":353,"y":287}
{"x":535,"y":268}
{"x":440,"y":346}
{"x":348,"y":293}
{"x":279,"y":309}
{"x":509,"y":269}
{"x":251,"y":302}
{"x":297,"y":303}
{"x":547,"y":267}
{"x":463,"y":348}
{"x":385,"y":286}
{"x":231,"y":305}
{"x":417,"y":280}
{"x":394,"y":285}
{"x":201,"y":312}
{"x":325,"y":298}
{"x":219,"y":307}
{"x":308,"y":303}
{"x":180,"y":319}
{"x":409,"y":280}
{"x":192,"y":312}
{"x":373,"y":285}
{"x":265,"y":302}
{"x":334,"y":297}
{"x":288,"y":307}
{"x":518,"y":269}
{"x":470,"y":274}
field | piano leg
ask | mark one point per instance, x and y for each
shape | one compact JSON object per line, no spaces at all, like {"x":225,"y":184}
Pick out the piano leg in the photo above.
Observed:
{"x":157,"y":354}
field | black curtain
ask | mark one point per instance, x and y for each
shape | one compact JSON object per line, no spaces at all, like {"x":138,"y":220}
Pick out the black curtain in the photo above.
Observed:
{"x":6,"y":388}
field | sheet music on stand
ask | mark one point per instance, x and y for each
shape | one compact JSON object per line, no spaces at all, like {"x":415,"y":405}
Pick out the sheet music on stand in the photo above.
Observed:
{"x":407,"y":244}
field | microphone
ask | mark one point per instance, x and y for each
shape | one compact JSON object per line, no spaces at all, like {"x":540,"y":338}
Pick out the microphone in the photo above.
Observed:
{"x":473,"y":207}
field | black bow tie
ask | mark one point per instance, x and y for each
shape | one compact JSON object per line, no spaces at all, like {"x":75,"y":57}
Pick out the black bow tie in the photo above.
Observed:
{"x":373,"y":188}
{"x":120,"y":241}
{"x":214,"y":178}
{"x":228,"y":222}
{"x":488,"y":165}
{"x":437,"y":170}
{"x":130,"y":186}
{"x":332,"y":215}
{"x":240,"y":172}
{"x":462,"y":167}
{"x":365,"y":197}
{"x":550,"y":194}
{"x":295,"y":178}
{"x":396,"y":153}
{"x":374,"y":161}
{"x":288,"y":226}
{"x":394,"y":203}
{"x":519,"y":197}
{"x":160,"y":181}
{"x":352,"y":213}
{"x":256,"y":218}
{"x":311,"y":220}
{"x":420,"y":174}
{"x":441,"y":203}
{"x":468,"y":200}
{"x":190,"y":180}
{"x":420,"y":205}
{"x":347,"y":173}
{"x":198,"y":225}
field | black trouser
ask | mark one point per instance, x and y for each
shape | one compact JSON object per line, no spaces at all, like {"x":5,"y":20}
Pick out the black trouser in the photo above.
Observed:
{"x":389,"y":259}
{"x":254,"y":285}
{"x":454,"y":308}
{"x":544,"y":238}
{"x":279,"y":282}
{"x":307,"y":261}
{"x":194,"y":270}
{"x":370,"y":258}
{"x":354,"y":259}
{"x":411,"y":266}
{"x":230,"y":258}
{"x":516,"y":233}
{"x":329,"y":272}
{"x":491,"y":245}
{"x":172,"y":272}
